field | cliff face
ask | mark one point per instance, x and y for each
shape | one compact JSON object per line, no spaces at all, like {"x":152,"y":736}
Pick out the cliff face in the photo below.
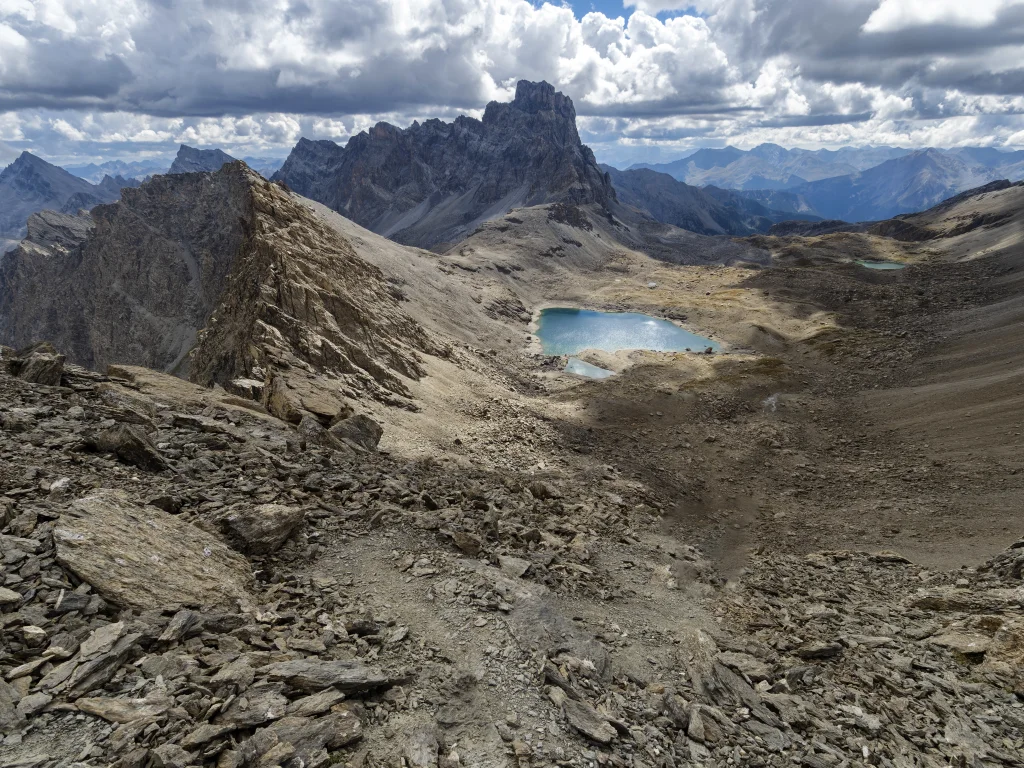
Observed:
{"x":132,"y":282}
{"x":285,"y":302}
{"x":434,"y":182}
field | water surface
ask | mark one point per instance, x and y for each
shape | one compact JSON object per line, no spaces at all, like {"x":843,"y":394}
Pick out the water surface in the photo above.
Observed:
{"x":881,"y":264}
{"x":568,"y":331}
{"x":580,"y":368}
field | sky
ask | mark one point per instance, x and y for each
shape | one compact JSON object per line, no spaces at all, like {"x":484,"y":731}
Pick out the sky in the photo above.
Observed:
{"x":89,"y":80}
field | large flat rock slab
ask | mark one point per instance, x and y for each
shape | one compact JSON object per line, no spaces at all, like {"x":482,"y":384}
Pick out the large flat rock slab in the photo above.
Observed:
{"x":143,"y":557}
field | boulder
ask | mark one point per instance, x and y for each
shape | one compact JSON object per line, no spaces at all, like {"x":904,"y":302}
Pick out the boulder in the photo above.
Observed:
{"x":359,"y":430}
{"x":130,"y":444}
{"x":142,"y":557}
{"x":40,"y":365}
{"x":262,"y":529}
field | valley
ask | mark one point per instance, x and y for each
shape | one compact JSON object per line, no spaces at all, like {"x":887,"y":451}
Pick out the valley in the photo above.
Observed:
{"x":282,"y":488}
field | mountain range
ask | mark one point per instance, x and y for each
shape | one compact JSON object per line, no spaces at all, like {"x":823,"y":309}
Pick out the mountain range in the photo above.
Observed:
{"x":769,"y":166}
{"x":188,"y":159}
{"x":31,"y":184}
{"x":853,"y":184}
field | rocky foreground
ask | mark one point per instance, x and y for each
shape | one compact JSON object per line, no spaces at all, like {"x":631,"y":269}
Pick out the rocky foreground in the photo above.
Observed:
{"x":190,"y":581}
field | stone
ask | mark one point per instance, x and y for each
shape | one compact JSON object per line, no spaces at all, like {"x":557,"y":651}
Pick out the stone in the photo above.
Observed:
{"x":125,"y":710}
{"x":421,"y":747}
{"x":9,"y":596}
{"x":261,"y":529}
{"x":744,"y":663}
{"x":468,"y":543}
{"x":142,"y":557}
{"x":259,"y":704}
{"x":359,"y":430}
{"x":819,"y":651}
{"x":40,"y":365}
{"x":316,"y":703}
{"x":588,"y":721}
{"x":170,"y":756}
{"x":130,"y":444}
{"x":313,"y":675}
{"x":964,"y":642}
{"x":33,"y":703}
{"x":10,"y":718}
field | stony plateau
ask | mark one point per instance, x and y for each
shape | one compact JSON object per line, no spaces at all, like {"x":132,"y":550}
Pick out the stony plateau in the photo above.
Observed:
{"x":276,"y":490}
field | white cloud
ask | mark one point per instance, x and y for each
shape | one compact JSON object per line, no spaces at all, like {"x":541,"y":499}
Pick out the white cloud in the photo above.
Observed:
{"x":108,"y":76}
{"x":893,"y":15}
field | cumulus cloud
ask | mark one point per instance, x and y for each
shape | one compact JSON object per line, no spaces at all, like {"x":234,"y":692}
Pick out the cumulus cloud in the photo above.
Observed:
{"x":102,"y":76}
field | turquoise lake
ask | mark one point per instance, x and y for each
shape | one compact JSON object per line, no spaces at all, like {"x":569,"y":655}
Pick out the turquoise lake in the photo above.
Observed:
{"x":881,"y":264}
{"x":568,"y":331}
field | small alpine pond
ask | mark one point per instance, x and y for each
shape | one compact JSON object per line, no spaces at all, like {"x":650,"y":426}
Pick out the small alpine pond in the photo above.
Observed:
{"x":881,"y":264}
{"x":564,"y":331}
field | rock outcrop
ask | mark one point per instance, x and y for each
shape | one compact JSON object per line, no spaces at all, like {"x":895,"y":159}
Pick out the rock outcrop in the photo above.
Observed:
{"x":225,"y":266}
{"x":434,"y":182}
{"x":308,"y":319}
{"x":139,"y":557}
{"x":132,"y":282}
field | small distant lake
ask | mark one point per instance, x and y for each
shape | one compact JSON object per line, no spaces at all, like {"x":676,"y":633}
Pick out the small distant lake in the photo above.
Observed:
{"x":881,"y":264}
{"x":568,"y":331}
{"x":580,"y":368}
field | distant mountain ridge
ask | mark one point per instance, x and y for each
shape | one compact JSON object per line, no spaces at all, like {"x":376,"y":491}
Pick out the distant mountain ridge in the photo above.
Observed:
{"x":770,"y":166}
{"x":906,"y":184}
{"x":706,"y":211}
{"x":30,"y":184}
{"x":433,"y":183}
{"x":850,"y":184}
{"x":136,"y":169}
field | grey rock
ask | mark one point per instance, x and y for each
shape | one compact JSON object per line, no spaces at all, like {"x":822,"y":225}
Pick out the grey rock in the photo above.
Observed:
{"x":360,"y":430}
{"x":261,"y":529}
{"x":588,"y":721}
{"x":131,"y":445}
{"x":315,"y":675}
{"x":142,"y":557}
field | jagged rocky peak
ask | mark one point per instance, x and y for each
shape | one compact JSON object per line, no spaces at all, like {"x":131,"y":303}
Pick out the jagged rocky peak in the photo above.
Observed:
{"x":192,"y":160}
{"x":536,"y":97}
{"x":434,"y":182}
{"x":220,"y":277}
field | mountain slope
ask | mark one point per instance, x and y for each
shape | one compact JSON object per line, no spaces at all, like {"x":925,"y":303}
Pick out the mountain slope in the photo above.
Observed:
{"x":435,"y":182}
{"x":31,"y":184}
{"x":192,"y":160}
{"x":708,"y":211}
